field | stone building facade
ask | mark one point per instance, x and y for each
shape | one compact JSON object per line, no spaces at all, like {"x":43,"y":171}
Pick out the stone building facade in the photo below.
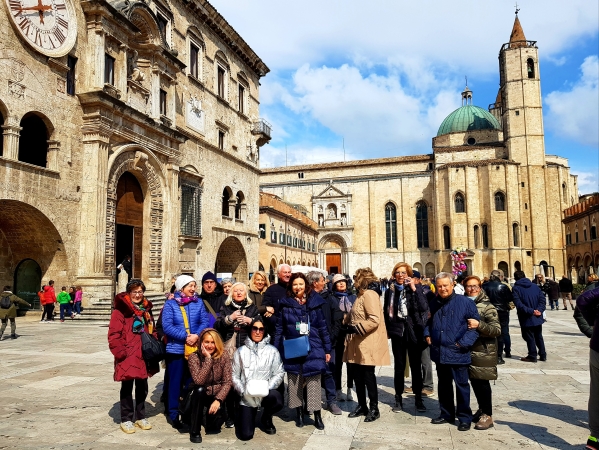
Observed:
{"x":128,"y":128}
{"x":287,"y":235}
{"x":582,"y":244}
{"x":487,"y":186}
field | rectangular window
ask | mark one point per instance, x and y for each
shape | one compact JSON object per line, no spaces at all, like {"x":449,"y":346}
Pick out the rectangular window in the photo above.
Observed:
{"x":273,"y":237}
{"x":191,"y":207}
{"x":282,"y":238}
{"x":593,"y":232}
{"x":241,"y":99}
{"x":162,"y":25}
{"x":71,"y":62}
{"x":584,"y":232}
{"x":162,"y":102}
{"x":289,"y":240}
{"x":221,"y":82}
{"x":108,"y":69}
{"x":568,"y":239}
{"x":485,"y":236}
{"x":194,"y":60}
{"x":576,"y":235}
{"x":221,"y":140}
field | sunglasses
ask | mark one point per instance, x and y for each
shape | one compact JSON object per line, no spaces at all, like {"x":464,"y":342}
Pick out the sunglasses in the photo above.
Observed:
{"x":258,"y":329}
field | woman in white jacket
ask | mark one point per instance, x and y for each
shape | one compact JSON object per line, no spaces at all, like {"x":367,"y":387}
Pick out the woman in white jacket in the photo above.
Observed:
{"x":257,"y":372}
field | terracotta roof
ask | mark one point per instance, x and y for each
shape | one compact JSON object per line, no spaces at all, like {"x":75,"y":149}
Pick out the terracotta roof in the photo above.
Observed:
{"x":360,"y":162}
{"x":478,"y":163}
{"x":273,"y":202}
{"x":517,"y":38}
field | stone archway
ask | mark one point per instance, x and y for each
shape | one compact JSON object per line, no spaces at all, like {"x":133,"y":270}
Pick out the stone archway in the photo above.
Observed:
{"x":333,"y":253}
{"x":231,"y":259}
{"x":149,"y":178}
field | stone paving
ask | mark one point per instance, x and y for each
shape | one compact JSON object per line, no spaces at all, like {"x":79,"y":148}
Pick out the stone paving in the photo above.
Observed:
{"x":57,"y":392}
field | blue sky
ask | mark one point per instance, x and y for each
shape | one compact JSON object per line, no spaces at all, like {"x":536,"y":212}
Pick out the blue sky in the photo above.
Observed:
{"x":379,"y":77}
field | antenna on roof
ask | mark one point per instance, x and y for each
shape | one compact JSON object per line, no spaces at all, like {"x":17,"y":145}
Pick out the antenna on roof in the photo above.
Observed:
{"x":517,"y":9}
{"x":343,"y":143}
{"x":466,"y":76}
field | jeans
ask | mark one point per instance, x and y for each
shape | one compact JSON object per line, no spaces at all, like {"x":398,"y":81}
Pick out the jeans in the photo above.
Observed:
{"x":400,"y":347}
{"x":427,"y":370}
{"x":484,"y":395}
{"x":77,"y":307}
{"x":364,"y":378}
{"x":65,"y":307}
{"x":534,"y":338}
{"x":327,"y":380}
{"x":504,"y":340}
{"x":447,"y":375}
{"x":246,"y":423}
{"x":339,"y":350}
{"x":126,"y":394}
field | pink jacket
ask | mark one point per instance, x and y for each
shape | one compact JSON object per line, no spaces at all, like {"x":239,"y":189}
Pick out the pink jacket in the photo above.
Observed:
{"x":78,"y":295}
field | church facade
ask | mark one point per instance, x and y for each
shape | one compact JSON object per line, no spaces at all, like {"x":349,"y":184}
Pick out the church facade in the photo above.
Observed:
{"x":487,"y":187}
{"x":129,"y":128}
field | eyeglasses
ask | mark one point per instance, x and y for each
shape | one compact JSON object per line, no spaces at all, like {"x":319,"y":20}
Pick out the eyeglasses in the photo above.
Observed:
{"x":258,"y":329}
{"x":401,"y":273}
{"x":472,"y":286}
{"x":137,"y":293}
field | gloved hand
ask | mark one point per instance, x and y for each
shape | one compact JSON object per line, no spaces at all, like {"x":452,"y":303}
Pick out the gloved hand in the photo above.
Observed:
{"x":351,"y":329}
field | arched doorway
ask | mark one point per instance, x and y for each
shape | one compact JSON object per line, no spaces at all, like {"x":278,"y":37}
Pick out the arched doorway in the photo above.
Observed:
{"x":129,"y":221}
{"x":231,"y":259}
{"x":503,"y":266}
{"x":28,"y":281}
{"x":333,"y":249}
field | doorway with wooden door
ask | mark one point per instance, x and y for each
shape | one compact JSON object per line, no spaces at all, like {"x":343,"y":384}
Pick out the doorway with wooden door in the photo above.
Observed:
{"x":334,"y":263}
{"x":129,"y":222}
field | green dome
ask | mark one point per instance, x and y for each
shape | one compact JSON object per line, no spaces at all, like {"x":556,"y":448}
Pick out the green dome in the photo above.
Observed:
{"x":468,"y":118}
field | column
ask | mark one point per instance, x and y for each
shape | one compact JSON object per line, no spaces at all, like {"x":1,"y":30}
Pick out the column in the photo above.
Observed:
{"x":52,"y":158}
{"x":10,"y":136}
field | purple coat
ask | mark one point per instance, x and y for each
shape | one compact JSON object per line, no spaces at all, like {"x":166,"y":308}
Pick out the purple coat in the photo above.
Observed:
{"x":588,"y":304}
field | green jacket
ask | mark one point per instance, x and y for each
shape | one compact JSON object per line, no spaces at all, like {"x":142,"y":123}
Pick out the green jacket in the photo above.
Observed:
{"x":63,"y":297}
{"x":484,"y":350}
{"x":11,"y":312}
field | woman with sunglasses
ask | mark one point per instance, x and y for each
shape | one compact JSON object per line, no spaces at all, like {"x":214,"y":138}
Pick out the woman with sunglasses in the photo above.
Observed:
{"x":131,"y":317}
{"x":257,"y":364}
{"x":301,"y":315}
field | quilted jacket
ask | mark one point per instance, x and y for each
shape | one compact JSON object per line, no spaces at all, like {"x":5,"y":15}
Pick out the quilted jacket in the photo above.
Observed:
{"x":484,"y":350}
{"x":451,"y":340}
{"x":174,"y":327}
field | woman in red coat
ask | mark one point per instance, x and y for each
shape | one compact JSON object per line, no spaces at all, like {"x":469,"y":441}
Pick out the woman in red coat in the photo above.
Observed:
{"x":132,"y":316}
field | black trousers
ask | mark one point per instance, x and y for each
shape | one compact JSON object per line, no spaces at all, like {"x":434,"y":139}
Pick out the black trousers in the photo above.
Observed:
{"x":447,"y":375}
{"x":364,"y":378}
{"x":199,"y":401}
{"x":231,"y":404}
{"x":504,"y":340}
{"x":400,"y":347}
{"x":534,"y":338}
{"x":141,"y":392}
{"x":48,"y":311}
{"x":484,"y":395}
{"x":245,"y":425}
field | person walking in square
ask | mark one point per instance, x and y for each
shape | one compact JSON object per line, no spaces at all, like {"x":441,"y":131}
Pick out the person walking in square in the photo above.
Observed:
{"x":8,"y":311}
{"x":451,"y":341}
{"x":64,"y":300}
{"x":565,"y":289}
{"x":530,"y":304}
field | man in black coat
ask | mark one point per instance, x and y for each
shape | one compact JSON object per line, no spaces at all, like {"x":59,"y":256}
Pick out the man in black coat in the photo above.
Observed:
{"x":333,"y":317}
{"x":212,"y":292}
{"x":501,"y":297}
{"x":273,"y":294}
{"x":565,"y":290}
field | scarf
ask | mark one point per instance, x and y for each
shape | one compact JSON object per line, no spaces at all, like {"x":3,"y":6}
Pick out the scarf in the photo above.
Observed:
{"x":344,"y":303}
{"x":182,"y":301}
{"x":140,"y":313}
{"x":402,"y":307}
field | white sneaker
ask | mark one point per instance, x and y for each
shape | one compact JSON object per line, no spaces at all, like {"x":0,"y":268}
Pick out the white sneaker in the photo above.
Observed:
{"x":349,"y":396}
{"x":340,"y":396}
{"x":127,"y":427}
{"x":143,"y":424}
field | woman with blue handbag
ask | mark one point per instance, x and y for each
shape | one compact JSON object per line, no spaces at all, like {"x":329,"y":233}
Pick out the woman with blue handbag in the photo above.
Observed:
{"x":305,"y":346}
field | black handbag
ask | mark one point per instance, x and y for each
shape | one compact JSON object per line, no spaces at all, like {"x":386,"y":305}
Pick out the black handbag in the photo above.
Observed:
{"x":152,"y":349}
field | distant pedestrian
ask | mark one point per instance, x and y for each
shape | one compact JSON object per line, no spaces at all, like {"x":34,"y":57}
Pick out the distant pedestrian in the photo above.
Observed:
{"x":500,"y":295}
{"x":530,"y":304}
{"x":77,"y":301}
{"x":127,"y":266}
{"x":46,"y":308}
{"x":565,"y":288}
{"x":50,"y":298}
{"x":8,"y":311}
{"x":64,"y":300}
{"x":552,"y":293}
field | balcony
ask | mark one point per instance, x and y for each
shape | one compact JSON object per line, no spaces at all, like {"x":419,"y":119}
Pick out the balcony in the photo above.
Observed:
{"x":262,"y":129}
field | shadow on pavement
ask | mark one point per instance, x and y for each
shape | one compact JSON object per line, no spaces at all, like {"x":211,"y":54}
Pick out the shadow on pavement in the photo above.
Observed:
{"x":540,"y":435}
{"x":564,"y":413}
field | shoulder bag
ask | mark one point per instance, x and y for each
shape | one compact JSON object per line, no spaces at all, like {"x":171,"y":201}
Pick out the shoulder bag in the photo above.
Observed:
{"x":257,"y":388}
{"x":151,"y":348}
{"x":189,"y":349}
{"x":297,"y":347}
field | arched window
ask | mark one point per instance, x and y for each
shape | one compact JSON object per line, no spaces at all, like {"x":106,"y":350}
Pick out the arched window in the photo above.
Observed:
{"x":226,"y":199}
{"x":564,"y":195}
{"x":499,"y":201}
{"x":476,"y":237}
{"x":504,"y":268}
{"x":33,"y":142}
{"x":516,"y":233}
{"x":422,"y":224}
{"x":430,"y":270}
{"x":485,"y":236}
{"x":530,"y":68}
{"x":391,"y":225}
{"x":459,"y":203}
{"x":240,"y":198}
{"x":446,"y":238}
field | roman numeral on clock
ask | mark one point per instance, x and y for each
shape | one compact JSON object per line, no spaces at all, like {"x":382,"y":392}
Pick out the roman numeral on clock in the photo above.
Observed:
{"x":63,"y":23}
{"x":59,"y":35}
{"x":15,"y":5}
{"x":60,"y":6}
{"x":24,"y":25}
{"x":38,"y":38}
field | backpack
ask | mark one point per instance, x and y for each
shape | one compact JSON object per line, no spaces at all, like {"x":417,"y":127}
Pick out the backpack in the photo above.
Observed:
{"x":5,"y":303}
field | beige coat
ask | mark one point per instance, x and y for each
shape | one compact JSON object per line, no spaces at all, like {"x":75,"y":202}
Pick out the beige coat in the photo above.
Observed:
{"x":369,"y":346}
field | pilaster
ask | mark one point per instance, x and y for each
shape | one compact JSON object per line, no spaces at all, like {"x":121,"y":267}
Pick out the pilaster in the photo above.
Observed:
{"x":10,"y":136}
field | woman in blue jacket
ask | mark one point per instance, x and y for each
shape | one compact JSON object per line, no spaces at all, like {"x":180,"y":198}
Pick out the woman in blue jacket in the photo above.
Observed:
{"x":184,"y":303}
{"x":300,"y":314}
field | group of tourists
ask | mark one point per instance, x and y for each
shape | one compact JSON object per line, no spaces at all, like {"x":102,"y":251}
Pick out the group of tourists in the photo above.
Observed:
{"x":229,"y":347}
{"x":68,"y":301}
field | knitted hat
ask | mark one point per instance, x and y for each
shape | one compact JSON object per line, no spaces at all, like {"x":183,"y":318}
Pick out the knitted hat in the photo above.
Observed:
{"x":209,"y":276}
{"x":416,"y":274}
{"x":182,"y":281}
{"x":337,"y":278}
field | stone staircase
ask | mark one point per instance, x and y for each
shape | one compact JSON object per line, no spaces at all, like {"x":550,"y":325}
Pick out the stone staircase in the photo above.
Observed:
{"x":100,"y":310}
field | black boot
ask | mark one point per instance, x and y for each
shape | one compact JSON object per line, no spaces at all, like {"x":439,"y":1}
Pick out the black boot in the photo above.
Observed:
{"x":373,"y":414}
{"x":267,"y":426}
{"x":318,"y":420}
{"x":359,"y":411}
{"x":195,"y":438}
{"x":299,"y":420}
{"x":420,"y":405}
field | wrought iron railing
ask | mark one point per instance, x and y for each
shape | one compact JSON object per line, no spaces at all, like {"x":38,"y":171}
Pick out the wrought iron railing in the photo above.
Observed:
{"x":263,"y":127}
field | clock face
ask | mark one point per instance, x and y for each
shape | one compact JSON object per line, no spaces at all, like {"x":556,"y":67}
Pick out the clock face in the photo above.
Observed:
{"x":49,"y":26}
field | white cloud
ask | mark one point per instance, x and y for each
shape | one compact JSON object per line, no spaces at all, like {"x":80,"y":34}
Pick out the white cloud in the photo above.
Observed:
{"x":574,"y":113}
{"x":587,"y":181}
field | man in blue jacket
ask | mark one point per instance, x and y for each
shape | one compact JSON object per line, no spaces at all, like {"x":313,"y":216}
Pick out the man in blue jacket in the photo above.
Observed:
{"x":530,"y":304}
{"x":450,"y":339}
